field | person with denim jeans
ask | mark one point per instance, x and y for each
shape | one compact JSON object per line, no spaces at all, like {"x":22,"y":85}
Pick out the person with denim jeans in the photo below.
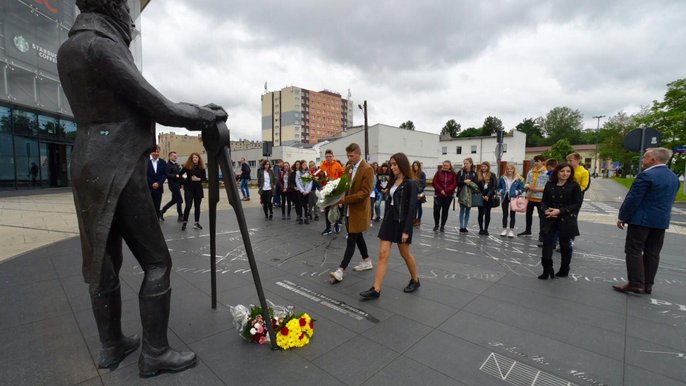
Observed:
{"x":536,"y":179}
{"x":245,"y":179}
{"x":466,"y":179}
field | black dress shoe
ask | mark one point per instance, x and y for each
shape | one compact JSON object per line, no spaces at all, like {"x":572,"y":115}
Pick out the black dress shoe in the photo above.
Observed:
{"x":183,"y":227}
{"x":370,"y":294}
{"x":525,"y":233}
{"x":442,"y":229}
{"x":412,"y":286}
{"x":627,"y":288}
{"x":648,"y":290}
{"x":435,"y":228}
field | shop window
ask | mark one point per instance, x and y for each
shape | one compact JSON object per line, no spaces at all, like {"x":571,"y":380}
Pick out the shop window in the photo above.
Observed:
{"x":69,"y":128}
{"x":6,"y":149}
{"x":25,"y":123}
{"x":49,"y":127}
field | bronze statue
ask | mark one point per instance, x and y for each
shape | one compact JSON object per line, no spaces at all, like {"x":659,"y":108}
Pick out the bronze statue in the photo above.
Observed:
{"x":116,"y":109}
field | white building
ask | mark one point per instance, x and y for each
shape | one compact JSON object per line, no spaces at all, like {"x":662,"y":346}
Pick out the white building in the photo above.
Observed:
{"x":481,"y":149}
{"x":384,"y":141}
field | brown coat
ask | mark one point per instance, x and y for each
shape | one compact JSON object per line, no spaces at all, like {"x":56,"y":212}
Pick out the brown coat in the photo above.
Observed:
{"x":357,"y":198}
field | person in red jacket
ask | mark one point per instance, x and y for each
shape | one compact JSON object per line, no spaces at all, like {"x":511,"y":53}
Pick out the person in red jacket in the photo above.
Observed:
{"x":444,"y":183}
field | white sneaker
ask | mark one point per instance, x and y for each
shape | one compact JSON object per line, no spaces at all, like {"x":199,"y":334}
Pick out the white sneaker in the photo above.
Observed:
{"x":337,"y":275}
{"x":503,"y":233}
{"x":510,"y":233}
{"x":364,"y":265}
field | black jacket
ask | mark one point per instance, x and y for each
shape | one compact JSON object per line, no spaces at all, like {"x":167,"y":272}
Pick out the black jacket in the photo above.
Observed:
{"x":489,"y":190}
{"x":404,"y":205}
{"x":194,"y":187}
{"x":173,"y":170}
{"x":568,"y":199}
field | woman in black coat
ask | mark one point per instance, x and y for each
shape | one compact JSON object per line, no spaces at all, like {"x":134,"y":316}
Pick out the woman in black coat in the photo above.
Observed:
{"x":561,"y":201}
{"x":397,"y":225}
{"x":487,"y":185}
{"x":194,"y":174}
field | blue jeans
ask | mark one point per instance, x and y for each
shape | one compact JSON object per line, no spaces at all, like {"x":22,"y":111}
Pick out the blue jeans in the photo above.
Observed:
{"x":244,"y":188}
{"x":377,"y":204}
{"x":464,"y":216}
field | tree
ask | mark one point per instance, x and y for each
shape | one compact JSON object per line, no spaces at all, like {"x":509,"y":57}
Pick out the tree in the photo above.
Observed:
{"x":563,"y":122}
{"x":491,"y":125}
{"x":470,"y":132}
{"x":669,"y":118}
{"x":559,"y":150}
{"x":409,"y":125}
{"x":451,"y":128}
{"x":533,"y":131}
{"x":611,"y":145}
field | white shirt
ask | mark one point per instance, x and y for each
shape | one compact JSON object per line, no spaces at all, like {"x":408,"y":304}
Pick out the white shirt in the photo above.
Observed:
{"x":392,"y":191}
{"x":267,"y":182}
{"x":154,"y":163}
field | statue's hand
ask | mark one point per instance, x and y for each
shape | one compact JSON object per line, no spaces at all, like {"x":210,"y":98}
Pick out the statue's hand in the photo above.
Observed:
{"x":219,"y":111}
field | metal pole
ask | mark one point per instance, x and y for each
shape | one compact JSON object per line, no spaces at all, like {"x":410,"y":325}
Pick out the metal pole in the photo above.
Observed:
{"x":640,"y":153}
{"x":366,"y":133}
{"x":597,"y":138}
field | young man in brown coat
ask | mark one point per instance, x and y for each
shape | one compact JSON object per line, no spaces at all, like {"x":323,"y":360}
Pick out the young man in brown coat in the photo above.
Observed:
{"x":358,"y":208}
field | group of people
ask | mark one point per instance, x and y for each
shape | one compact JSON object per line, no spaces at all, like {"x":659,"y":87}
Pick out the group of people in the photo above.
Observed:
{"x":188,"y":177}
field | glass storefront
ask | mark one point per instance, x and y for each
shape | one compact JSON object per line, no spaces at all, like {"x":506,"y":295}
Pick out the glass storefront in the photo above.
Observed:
{"x":37,"y":131}
{"x":35,"y":149}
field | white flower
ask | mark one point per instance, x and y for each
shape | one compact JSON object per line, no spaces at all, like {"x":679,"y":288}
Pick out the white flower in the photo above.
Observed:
{"x":253,"y":331}
{"x":257,"y":325}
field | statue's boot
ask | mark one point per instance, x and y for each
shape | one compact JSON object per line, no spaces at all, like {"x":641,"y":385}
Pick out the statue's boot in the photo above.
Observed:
{"x":115,"y":346}
{"x":156,"y":355}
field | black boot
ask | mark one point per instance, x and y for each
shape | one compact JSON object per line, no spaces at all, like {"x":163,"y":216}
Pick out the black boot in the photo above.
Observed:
{"x":156,"y":354}
{"x":547,"y":273}
{"x":115,"y":346}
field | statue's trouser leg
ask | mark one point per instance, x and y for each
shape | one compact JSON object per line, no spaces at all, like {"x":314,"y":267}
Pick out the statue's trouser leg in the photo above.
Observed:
{"x":106,"y":301}
{"x":136,"y":221}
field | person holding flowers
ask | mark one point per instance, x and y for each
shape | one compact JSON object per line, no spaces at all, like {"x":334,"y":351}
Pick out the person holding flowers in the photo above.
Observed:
{"x":397,"y":225}
{"x":357,"y":209}
{"x":333,"y":171}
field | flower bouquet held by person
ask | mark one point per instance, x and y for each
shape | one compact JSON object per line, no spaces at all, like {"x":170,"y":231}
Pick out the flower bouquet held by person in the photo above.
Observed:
{"x":331,"y":194}
{"x":319,"y":177}
{"x":291,"y":329}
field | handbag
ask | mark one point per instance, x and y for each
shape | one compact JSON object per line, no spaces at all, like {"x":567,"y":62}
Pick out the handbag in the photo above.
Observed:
{"x":495,"y":201}
{"x":477,"y":199}
{"x":421,"y":198}
{"x":518,"y":204}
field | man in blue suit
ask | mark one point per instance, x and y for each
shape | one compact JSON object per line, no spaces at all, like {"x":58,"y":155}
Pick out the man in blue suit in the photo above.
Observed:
{"x":647,"y":209}
{"x":157,"y":174}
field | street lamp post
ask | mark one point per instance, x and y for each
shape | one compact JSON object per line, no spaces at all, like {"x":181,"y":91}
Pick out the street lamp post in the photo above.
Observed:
{"x":597,"y":138}
{"x":363,"y":107}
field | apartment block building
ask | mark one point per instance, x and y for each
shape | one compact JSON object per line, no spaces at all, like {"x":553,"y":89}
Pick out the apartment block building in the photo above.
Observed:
{"x":295,"y":115}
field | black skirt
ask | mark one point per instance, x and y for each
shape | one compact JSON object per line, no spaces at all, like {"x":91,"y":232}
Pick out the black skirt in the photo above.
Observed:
{"x":393,"y":231}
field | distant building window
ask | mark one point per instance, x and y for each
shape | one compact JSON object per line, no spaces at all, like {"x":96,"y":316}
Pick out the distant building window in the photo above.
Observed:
{"x":473,"y":149}
{"x":252,"y":163}
{"x":444,"y":150}
{"x":458,"y":150}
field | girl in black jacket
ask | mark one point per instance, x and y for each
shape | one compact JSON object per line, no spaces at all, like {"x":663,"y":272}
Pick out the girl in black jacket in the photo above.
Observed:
{"x":561,"y":201}
{"x":398,"y":220}
{"x":194,"y":174}
{"x":487,"y":185}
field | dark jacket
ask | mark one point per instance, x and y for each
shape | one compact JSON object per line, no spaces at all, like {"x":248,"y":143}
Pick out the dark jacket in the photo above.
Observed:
{"x":260,"y":180}
{"x":291,"y":182}
{"x":160,"y":176}
{"x":444,"y":180}
{"x":404,"y":205}
{"x":488,"y":188}
{"x":173,"y":170}
{"x":568,"y":199}
{"x":650,"y":199}
{"x":421,"y":182}
{"x":245,"y":171}
{"x":194,"y":187}
{"x":115,"y":109}
{"x":462,"y":176}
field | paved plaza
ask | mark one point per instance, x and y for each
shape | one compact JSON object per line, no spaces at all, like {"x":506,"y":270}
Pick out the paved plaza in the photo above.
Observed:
{"x":480,"y":317}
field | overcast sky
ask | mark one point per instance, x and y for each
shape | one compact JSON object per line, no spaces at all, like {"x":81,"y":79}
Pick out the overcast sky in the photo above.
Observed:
{"x":427,"y":61}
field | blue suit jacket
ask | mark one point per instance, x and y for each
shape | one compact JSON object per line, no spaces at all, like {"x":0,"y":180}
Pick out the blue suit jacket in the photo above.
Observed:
{"x":158,"y":177}
{"x":650,"y":199}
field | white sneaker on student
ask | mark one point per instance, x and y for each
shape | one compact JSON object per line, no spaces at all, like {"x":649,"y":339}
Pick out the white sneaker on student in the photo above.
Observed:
{"x":337,"y":275}
{"x":364,"y":265}
{"x":510,"y":233}
{"x":503,"y":233}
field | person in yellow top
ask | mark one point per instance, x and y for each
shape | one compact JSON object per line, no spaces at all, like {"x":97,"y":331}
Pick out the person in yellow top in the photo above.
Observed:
{"x":581,"y":176}
{"x":333,"y":170}
{"x":535,"y":183}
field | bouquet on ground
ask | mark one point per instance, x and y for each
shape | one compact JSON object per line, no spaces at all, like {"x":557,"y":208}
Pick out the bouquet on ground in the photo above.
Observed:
{"x":291,"y":329}
{"x":331,"y":194}
{"x":318,"y":177}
